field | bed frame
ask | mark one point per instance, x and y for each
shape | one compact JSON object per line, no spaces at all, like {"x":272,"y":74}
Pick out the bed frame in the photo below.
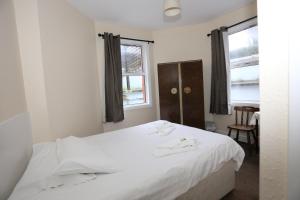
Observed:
{"x":15,"y":151}
{"x":215,"y":186}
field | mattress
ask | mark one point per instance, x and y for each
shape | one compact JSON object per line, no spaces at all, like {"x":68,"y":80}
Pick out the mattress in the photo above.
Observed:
{"x":142,"y":175}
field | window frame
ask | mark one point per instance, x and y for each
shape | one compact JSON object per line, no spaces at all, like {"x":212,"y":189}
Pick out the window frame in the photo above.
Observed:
{"x":146,"y":74}
{"x":233,"y":30}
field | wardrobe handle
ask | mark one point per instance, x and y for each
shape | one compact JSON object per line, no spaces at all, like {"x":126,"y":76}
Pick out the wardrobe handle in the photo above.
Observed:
{"x":174,"y":91}
{"x":187,"y":90}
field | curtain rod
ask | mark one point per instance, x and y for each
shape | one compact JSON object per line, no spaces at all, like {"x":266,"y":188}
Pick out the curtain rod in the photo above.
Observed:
{"x":233,"y":25}
{"x":124,"y":38}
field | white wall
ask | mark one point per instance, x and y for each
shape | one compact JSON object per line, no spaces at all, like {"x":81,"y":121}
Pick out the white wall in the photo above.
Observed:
{"x":58,"y":57}
{"x":68,"y":43}
{"x":294,"y":107}
{"x":12,"y":95}
{"x":32,"y":66}
{"x":294,"y":116}
{"x":191,"y":43}
{"x":274,"y":84}
{"x":135,"y":116}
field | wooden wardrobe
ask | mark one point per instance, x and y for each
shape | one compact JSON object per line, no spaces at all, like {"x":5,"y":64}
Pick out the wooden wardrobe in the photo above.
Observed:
{"x":181,"y":93}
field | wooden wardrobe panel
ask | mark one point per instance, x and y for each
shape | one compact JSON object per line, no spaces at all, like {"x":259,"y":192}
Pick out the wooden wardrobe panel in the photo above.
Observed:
{"x":192,"y":94}
{"x":169,"y":103}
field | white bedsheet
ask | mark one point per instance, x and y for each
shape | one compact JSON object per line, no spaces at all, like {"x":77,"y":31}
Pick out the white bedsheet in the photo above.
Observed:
{"x":143,"y":176}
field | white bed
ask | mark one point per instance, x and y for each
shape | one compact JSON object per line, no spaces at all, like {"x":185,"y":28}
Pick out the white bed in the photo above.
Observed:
{"x":142,"y":175}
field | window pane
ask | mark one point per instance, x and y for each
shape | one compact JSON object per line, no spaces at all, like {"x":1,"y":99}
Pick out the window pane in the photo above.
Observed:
{"x":134,"y":90}
{"x":124,"y":83}
{"x":243,"y":43}
{"x":244,"y":63}
{"x":245,"y":93}
{"x":245,"y":75}
{"x":132,"y":61}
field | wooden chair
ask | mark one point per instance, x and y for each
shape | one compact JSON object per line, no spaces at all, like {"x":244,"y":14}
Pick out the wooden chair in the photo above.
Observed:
{"x":242,"y":124}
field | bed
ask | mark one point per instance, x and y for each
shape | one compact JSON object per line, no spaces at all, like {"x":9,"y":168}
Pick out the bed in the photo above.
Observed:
{"x":208,"y":172}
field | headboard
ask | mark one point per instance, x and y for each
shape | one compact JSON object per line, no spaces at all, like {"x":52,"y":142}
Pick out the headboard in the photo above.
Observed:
{"x":15,"y":151}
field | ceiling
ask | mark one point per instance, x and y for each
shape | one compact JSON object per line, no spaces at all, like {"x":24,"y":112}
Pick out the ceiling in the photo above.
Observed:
{"x":149,"y":13}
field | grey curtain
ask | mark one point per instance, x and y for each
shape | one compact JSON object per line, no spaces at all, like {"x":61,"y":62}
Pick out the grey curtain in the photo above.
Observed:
{"x":218,"y":97}
{"x":113,"y":79}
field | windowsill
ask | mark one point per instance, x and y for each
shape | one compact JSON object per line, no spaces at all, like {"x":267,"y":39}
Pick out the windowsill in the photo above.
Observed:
{"x":245,"y":103}
{"x":139,"y":106}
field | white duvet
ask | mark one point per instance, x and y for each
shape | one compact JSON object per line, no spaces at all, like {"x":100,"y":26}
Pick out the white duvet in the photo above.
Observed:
{"x":142,"y":175}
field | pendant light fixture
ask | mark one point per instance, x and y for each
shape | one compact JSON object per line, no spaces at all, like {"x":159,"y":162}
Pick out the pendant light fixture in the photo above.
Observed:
{"x":172,"y":8}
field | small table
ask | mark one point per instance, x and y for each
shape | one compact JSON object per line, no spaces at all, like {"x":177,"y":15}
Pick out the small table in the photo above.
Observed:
{"x":255,"y":118}
{"x":255,"y":121}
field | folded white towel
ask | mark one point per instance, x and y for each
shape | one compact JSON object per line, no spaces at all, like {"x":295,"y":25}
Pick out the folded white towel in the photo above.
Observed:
{"x":163,"y":128}
{"x":178,"y":145}
{"x":166,"y":131}
{"x":168,"y":152}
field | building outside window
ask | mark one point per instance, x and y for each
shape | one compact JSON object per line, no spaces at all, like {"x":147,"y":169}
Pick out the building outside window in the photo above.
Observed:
{"x":244,"y":65}
{"x":136,"y":90}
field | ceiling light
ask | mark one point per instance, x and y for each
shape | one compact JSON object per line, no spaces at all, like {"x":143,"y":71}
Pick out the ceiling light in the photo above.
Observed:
{"x":172,"y":8}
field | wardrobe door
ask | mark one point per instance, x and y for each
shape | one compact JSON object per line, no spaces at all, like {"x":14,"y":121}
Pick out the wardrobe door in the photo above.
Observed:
{"x":169,"y":92}
{"x":192,"y":94}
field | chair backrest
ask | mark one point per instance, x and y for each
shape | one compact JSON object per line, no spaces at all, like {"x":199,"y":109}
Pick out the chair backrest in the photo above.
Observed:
{"x":241,"y":112}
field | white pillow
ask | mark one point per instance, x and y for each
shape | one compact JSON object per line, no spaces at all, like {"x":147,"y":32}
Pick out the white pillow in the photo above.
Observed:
{"x":76,"y":156}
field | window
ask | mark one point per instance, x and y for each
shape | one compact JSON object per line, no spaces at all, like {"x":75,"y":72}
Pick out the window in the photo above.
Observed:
{"x":244,"y":65}
{"x":134,"y":74}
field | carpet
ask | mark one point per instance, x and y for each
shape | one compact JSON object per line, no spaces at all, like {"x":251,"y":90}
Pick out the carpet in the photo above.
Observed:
{"x":247,"y":180}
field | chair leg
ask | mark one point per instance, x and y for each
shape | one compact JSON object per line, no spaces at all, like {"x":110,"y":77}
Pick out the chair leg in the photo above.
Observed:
{"x":256,"y":141}
{"x":237,"y":135}
{"x":249,"y":142}
{"x":229,"y":133}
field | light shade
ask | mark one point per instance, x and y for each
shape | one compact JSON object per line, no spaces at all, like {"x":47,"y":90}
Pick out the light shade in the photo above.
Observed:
{"x":172,"y":8}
